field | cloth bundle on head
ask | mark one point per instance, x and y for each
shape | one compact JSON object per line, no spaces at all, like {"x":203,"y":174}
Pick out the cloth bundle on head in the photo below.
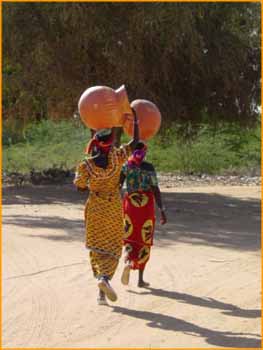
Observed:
{"x":101,"y":141}
{"x":138,"y":155}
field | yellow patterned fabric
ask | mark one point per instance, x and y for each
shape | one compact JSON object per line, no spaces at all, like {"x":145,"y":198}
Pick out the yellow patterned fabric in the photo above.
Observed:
{"x":103,"y":210}
{"x":103,"y":265}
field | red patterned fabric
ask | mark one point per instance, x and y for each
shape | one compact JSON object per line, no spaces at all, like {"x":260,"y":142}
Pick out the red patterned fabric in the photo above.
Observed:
{"x":139,"y":222}
{"x":103,"y":146}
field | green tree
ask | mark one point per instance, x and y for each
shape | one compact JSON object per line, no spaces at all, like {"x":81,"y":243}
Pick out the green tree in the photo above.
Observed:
{"x":191,"y":59}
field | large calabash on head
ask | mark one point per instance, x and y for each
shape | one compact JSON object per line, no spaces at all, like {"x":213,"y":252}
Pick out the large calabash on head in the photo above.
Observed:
{"x":149,"y":119}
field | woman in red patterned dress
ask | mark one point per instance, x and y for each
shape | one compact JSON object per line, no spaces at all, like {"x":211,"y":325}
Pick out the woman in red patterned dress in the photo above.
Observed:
{"x":139,"y":212}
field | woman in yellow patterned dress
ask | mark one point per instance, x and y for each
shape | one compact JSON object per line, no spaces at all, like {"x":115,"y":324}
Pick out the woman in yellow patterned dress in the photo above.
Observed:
{"x":103,"y":211}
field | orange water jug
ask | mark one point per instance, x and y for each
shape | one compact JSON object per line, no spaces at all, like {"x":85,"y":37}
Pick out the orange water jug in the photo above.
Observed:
{"x":149,"y":119}
{"x":123,"y":103}
{"x":102,"y":107}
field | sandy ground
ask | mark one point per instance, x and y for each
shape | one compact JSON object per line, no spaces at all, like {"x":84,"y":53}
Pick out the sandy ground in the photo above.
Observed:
{"x":205,"y":274}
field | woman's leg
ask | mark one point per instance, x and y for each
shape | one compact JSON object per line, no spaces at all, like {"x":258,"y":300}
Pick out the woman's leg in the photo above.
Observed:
{"x":144,"y":258}
{"x":102,"y":298}
{"x":104,"y":267}
{"x":141,"y":282}
{"x":125,"y":277}
{"x":128,"y":260}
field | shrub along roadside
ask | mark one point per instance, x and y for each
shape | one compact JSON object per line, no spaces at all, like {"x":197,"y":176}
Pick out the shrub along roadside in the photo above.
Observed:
{"x":61,"y":145}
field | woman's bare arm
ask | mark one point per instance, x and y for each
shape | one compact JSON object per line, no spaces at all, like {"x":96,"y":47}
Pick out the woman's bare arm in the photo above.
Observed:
{"x":136,"y":132}
{"x":158,"y":200}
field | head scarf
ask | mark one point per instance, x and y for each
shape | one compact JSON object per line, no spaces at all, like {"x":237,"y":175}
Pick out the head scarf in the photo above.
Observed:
{"x":101,"y":141}
{"x":137,"y":156}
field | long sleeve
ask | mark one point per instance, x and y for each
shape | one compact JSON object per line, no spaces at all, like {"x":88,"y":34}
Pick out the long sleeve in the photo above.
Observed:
{"x":81,"y":176}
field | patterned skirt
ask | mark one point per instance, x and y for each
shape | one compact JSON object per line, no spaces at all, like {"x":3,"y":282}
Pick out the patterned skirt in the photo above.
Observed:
{"x":104,"y":232}
{"x":139,"y":221}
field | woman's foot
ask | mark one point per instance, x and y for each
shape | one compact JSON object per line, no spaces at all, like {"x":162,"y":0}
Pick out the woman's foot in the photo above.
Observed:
{"x":104,"y":286}
{"x":102,"y":298}
{"x":125,"y":277}
{"x":143,"y":284}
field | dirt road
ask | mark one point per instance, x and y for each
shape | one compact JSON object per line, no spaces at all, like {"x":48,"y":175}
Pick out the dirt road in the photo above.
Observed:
{"x":205,"y":273}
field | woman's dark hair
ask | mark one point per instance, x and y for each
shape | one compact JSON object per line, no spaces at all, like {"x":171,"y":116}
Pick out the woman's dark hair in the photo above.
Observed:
{"x":104,"y":138}
{"x":140,"y":145}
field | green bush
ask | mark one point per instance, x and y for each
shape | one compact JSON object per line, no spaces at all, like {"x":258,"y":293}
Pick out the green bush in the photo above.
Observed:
{"x":50,"y":144}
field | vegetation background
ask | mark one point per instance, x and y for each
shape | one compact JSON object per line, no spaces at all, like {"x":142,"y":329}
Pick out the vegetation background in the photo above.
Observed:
{"x":199,"y":62}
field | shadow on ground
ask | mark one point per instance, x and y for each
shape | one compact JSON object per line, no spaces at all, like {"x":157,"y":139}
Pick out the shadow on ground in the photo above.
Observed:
{"x":52,"y":194}
{"x":211,"y":219}
{"x":228,"y":309}
{"x":213,"y":337}
{"x":193,"y":218}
